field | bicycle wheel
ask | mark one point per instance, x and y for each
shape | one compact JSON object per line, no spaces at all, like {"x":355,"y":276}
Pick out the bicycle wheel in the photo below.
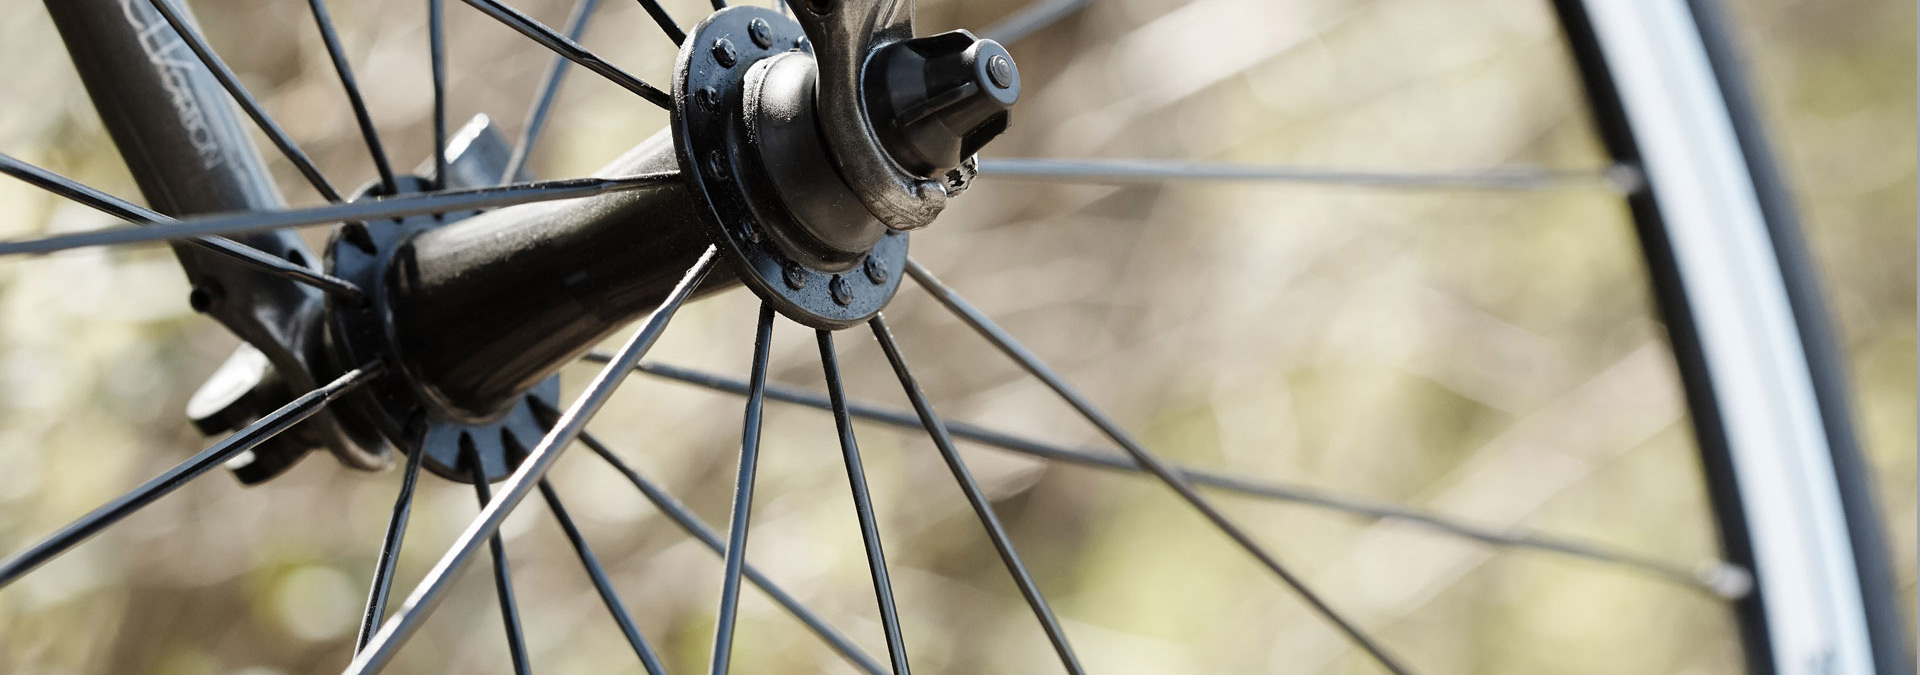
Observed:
{"x":802,"y":150}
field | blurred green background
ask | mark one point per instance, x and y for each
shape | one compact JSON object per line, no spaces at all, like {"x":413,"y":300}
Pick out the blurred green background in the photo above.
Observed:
{"x":1492,"y":356}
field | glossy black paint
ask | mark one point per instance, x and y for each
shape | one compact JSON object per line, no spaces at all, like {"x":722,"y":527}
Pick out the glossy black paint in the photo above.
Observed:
{"x":488,"y":307}
{"x":408,"y":410}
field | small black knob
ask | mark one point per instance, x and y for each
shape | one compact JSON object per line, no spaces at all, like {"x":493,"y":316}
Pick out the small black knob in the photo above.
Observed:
{"x":936,"y":100}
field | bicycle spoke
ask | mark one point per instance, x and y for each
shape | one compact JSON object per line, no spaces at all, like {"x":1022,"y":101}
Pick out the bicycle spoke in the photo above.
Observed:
{"x":389,"y":553}
{"x":666,"y":22}
{"x":248,"y":104}
{"x":1619,"y":178}
{"x":863,"y":506}
{"x":1031,"y":20}
{"x":502,"y":580}
{"x":1718,"y":577}
{"x":437,"y":58}
{"x":373,"y":209}
{"x":426,"y":596}
{"x":601,"y":583}
{"x":538,"y":32}
{"x":719,"y":5}
{"x":243,"y":440}
{"x":549,"y":90}
{"x":359,"y":104}
{"x":694,"y":527}
{"x":742,"y":495}
{"x":123,"y":209}
{"x":993,"y":333}
{"x":976,"y":498}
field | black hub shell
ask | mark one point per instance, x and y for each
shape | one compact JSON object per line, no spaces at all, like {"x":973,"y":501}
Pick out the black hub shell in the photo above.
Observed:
{"x":404,"y":413}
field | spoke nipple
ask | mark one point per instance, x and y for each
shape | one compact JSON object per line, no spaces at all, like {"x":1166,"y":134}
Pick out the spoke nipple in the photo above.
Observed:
{"x":724,"y":54}
{"x":795,"y":276}
{"x":841,"y":293}
{"x":761,"y":33}
{"x":717,"y":165}
{"x":751,"y":232}
{"x":819,"y":6}
{"x":876,"y":269}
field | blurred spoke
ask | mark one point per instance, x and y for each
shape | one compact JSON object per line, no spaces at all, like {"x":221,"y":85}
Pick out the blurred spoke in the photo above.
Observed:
{"x":549,"y":90}
{"x":863,"y":506}
{"x":742,"y":494}
{"x":600,"y":581}
{"x":1030,"y":20}
{"x":502,"y":581}
{"x":389,"y":553}
{"x":684,"y":517}
{"x":666,"y":22}
{"x":246,"y":101}
{"x":123,"y":209}
{"x":241,"y":441}
{"x":1713,"y":576}
{"x":538,"y":32}
{"x":437,"y":49}
{"x":426,"y":596}
{"x":987,"y":329}
{"x":371,"y":209}
{"x":340,"y":67}
{"x":1619,"y":178}
{"x":977,"y":498}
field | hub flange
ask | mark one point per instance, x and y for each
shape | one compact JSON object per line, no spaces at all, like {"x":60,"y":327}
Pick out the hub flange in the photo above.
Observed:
{"x":403,"y":410}
{"x":813,"y":279}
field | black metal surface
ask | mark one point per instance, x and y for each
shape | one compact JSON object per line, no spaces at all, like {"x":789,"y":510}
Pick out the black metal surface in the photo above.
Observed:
{"x":1147,"y":460}
{"x":742,"y":496}
{"x":934,"y":101}
{"x":502,"y":577}
{"x":427,"y":595}
{"x":808,"y":212}
{"x":267,"y":427}
{"x":693,"y":526}
{"x":389,"y":557}
{"x":344,"y":70}
{"x":490,"y":306}
{"x":863,"y":506}
{"x":1712,"y":576}
{"x":723,"y":172}
{"x":982,"y":507}
{"x":601,"y":583}
{"x":406,"y":410}
{"x":844,"y":36}
{"x":1878,"y":590}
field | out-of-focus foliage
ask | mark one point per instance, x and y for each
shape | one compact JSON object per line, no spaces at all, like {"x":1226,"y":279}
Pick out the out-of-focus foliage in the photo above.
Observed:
{"x":1488,"y":355}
